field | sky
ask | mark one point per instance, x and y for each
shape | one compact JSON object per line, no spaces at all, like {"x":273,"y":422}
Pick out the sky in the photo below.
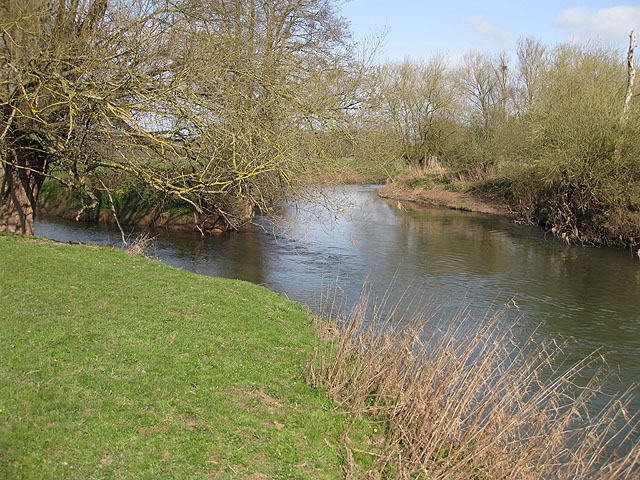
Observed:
{"x":421,"y":29}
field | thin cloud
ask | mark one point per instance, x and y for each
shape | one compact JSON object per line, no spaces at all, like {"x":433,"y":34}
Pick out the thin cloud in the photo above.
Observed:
{"x":489,"y":34}
{"x":454,"y":60}
{"x":609,"y":25}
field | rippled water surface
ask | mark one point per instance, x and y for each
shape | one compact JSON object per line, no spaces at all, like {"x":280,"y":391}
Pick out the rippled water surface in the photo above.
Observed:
{"x":590,"y":294}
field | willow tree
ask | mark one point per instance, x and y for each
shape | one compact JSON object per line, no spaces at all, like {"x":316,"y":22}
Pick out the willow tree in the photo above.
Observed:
{"x":195,"y":99}
{"x":418,"y":100}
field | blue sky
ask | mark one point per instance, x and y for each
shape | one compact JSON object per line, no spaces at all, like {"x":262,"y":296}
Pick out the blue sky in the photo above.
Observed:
{"x":420,"y":29}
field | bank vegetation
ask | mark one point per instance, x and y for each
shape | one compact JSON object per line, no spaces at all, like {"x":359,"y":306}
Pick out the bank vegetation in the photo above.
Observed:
{"x":219,"y":109}
{"x":554,"y":132}
{"x":450,"y":396}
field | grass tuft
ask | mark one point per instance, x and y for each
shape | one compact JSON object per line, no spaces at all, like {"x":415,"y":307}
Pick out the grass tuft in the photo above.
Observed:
{"x":142,"y":244}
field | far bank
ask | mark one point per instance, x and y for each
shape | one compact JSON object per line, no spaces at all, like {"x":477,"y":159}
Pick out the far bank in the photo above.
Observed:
{"x":454,"y":199}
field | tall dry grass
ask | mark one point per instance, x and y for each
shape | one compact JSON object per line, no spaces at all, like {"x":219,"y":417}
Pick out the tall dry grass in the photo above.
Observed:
{"x":142,"y":243}
{"x":458,"y":398}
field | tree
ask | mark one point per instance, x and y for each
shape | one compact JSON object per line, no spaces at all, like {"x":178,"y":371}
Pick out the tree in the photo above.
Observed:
{"x":418,"y":100}
{"x":484,"y":83}
{"x":531,"y":64}
{"x":485,"y":94}
{"x":197,"y":100}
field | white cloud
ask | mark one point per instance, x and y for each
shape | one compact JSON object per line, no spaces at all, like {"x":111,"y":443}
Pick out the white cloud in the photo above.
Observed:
{"x":454,"y":60}
{"x":609,"y":25}
{"x":489,"y":34}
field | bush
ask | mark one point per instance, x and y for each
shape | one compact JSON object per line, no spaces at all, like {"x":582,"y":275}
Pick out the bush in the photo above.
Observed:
{"x":441,"y":180}
{"x":577,"y":160}
{"x":424,"y":182}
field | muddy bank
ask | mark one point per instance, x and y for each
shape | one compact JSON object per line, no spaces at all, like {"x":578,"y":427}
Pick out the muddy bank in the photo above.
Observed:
{"x":153,"y":220}
{"x":439,"y":196}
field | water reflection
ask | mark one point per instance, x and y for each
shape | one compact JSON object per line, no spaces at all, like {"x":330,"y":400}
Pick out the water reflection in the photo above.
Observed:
{"x":591,"y":294}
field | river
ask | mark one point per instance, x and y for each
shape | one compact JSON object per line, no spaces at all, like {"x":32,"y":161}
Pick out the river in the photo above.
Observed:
{"x":588,"y":294}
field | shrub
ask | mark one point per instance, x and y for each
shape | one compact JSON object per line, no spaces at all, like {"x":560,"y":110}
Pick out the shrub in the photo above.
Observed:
{"x":424,"y":182}
{"x":578,"y":161}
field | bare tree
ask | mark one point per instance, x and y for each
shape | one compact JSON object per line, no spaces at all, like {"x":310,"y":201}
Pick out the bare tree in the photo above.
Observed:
{"x":485,"y":86}
{"x":531,"y":63}
{"x":418,"y":100}
{"x":196,"y":100}
{"x":631,"y":74}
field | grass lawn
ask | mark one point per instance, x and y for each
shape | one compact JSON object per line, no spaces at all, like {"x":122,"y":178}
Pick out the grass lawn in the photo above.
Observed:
{"x":116,"y":366}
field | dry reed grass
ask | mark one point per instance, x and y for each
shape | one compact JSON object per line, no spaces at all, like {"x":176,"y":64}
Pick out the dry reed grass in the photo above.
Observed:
{"x":462,"y":399}
{"x":140,"y":244}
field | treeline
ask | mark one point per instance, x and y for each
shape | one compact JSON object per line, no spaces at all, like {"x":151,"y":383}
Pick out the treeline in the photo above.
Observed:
{"x":556,"y":129}
{"x":221,"y":106}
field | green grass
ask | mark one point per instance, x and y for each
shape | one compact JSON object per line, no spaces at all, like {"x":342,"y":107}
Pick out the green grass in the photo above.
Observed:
{"x":453,"y":187}
{"x":346,"y":170}
{"x":428,"y":180}
{"x":424,"y":182}
{"x":116,"y":366}
{"x":441,"y":180}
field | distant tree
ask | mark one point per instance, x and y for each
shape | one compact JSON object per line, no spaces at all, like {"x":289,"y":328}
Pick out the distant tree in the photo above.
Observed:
{"x":484,"y":82}
{"x":485,"y":93}
{"x":531,"y":64}
{"x":418,"y":101}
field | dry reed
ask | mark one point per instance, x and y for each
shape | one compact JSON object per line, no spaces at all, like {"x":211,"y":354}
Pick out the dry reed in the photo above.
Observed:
{"x":466,"y":399}
{"x":141,"y":244}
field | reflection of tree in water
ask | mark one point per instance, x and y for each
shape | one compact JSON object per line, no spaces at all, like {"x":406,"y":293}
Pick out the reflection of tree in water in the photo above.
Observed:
{"x":437,"y":236}
{"x":574,"y":288}
{"x":246,"y":262}
{"x":197,"y":251}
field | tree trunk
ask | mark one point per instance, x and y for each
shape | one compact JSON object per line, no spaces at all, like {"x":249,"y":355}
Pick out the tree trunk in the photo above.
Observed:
{"x":18,"y":198}
{"x":631,"y":74}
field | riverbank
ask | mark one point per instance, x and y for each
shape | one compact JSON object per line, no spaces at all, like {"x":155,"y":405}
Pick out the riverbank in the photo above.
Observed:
{"x":613,"y":230}
{"x":137,"y":216}
{"x":154,"y":220}
{"x":439,"y":195}
{"x":117,"y":366}
{"x":149,"y":211}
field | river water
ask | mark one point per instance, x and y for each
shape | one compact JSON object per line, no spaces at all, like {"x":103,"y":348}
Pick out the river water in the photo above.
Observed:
{"x":589,"y":294}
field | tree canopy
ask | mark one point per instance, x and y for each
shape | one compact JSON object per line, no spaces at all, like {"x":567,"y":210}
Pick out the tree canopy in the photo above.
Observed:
{"x":199,"y":100}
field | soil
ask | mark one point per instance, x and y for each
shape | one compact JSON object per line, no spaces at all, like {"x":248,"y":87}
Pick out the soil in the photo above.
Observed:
{"x":438,"y":196}
{"x":212,"y":225}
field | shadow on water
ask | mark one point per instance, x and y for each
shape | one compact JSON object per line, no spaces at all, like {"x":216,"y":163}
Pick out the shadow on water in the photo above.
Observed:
{"x":457,"y":258}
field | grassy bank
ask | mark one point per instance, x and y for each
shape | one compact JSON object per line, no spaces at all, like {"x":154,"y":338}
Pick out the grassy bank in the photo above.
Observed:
{"x":116,"y":366}
{"x":349,"y":170}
